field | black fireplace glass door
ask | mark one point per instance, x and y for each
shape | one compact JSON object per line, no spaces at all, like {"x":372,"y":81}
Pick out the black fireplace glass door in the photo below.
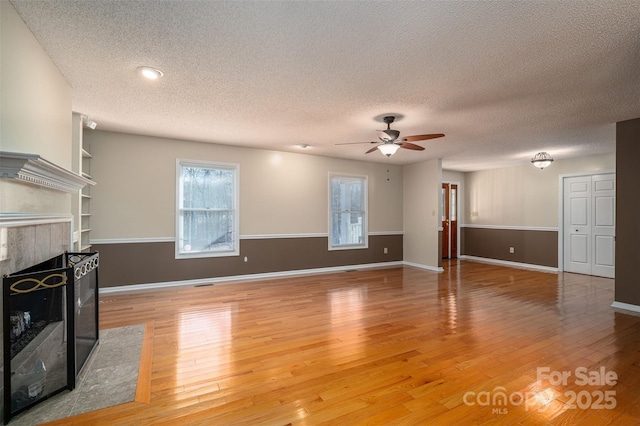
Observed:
{"x":35,"y":332}
{"x":85,"y":268}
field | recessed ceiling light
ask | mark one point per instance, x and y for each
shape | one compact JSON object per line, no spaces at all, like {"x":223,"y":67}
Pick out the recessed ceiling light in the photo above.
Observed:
{"x":150,"y":73}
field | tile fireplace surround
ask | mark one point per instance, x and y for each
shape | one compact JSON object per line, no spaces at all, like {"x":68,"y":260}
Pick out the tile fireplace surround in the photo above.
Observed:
{"x":26,"y":240}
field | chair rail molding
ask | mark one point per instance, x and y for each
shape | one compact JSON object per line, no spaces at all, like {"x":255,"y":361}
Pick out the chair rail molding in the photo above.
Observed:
{"x":32,"y":168}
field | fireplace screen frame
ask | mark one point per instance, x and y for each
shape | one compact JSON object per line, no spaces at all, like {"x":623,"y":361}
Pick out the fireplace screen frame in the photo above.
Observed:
{"x":72,"y":278}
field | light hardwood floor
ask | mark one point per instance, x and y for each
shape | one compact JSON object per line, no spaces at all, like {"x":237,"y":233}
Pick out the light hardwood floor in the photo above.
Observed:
{"x":386,"y":346}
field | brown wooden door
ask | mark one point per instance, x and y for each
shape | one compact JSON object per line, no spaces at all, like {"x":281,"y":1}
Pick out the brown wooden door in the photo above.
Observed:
{"x":453,"y":221}
{"x":445,"y":221}
{"x":449,"y":220}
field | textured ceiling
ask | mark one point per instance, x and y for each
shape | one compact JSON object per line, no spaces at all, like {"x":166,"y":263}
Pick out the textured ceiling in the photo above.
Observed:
{"x":503,"y":80}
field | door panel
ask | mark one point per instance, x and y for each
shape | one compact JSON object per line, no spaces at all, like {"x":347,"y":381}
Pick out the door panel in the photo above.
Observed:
{"x":604,"y":230}
{"x":577,"y":215}
{"x":603,"y":251}
{"x":604,"y":212}
{"x":579,"y":211}
{"x":579,"y":250}
{"x":589,"y":225}
{"x":579,"y":186}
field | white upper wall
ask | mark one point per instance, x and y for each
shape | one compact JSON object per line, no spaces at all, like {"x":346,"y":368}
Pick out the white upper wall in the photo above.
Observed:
{"x":36,"y":99}
{"x":36,"y":114}
{"x":422,"y":189}
{"x":523,"y":196}
{"x":280,"y":193}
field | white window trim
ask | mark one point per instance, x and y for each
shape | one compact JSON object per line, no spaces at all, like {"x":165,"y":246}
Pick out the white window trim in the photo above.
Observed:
{"x":365,"y":243}
{"x":180,"y":163}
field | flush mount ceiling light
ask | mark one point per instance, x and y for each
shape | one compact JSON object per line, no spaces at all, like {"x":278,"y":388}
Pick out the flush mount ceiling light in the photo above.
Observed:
{"x":541,"y":160}
{"x":150,"y":73}
{"x":388,"y":149}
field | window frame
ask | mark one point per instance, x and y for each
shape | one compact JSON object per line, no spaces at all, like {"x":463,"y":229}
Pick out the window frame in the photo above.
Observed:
{"x":235,"y":168}
{"x":365,"y":201}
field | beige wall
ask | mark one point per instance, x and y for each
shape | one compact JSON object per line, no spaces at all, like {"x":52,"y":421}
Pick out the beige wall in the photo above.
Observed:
{"x":36,"y":99}
{"x":422,"y":184}
{"x":35,"y":118}
{"x":36,"y":114}
{"x":452,"y":176}
{"x":280,"y":193}
{"x":523,"y":195}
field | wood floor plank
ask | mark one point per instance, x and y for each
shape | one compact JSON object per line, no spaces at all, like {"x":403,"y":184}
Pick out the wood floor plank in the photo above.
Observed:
{"x":143,"y":388}
{"x":398,"y":345}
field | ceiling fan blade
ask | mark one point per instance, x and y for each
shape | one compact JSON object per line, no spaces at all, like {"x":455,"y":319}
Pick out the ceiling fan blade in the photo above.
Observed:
{"x":422,"y":137}
{"x":409,"y":145}
{"x":354,"y":143}
{"x":375,"y":148}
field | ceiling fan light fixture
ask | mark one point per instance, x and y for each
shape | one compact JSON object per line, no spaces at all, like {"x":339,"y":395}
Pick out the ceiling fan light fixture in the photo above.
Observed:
{"x":150,"y":73}
{"x":542,"y":160}
{"x":388,"y":149}
{"x":389,"y":135}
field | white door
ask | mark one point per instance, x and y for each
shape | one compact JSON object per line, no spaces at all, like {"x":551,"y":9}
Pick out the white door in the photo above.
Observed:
{"x":603,"y":189}
{"x":589,"y":225}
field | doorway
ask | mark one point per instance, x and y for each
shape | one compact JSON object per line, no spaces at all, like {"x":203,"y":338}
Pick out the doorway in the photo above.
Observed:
{"x":588,"y":236}
{"x":449,"y":215}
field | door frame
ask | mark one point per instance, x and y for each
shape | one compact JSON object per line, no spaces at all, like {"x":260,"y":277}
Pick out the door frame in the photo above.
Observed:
{"x":459,"y":196}
{"x":561,"y":179}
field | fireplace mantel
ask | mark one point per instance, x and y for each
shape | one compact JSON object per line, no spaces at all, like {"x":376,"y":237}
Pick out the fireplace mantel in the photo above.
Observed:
{"x":32,"y":168}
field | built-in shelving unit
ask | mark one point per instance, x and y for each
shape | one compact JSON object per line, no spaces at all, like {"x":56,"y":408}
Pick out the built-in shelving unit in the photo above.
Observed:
{"x":85,"y":208}
{"x":81,"y":201}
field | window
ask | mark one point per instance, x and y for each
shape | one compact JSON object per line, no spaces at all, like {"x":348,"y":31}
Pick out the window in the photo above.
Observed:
{"x":206,"y":209}
{"x":347,"y":212}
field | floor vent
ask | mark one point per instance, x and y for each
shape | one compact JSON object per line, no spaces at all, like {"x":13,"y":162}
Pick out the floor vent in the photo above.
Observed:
{"x":203,"y":285}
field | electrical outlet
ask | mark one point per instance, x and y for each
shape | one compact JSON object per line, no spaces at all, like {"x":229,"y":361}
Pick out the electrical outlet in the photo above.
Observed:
{"x":512,"y":250}
{"x":386,"y":250}
{"x":246,"y":259}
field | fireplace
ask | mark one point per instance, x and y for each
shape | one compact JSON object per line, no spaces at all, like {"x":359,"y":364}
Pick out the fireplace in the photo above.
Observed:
{"x":50,"y":317}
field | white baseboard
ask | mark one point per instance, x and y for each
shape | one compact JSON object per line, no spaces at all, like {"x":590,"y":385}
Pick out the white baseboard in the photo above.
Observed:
{"x":421,"y":266}
{"x":626,"y":306}
{"x":508,"y":263}
{"x":248,"y":277}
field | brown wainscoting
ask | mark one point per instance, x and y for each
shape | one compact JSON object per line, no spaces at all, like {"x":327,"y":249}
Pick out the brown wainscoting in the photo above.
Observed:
{"x":532,"y":247}
{"x":627,"y":211}
{"x":124,"y":264}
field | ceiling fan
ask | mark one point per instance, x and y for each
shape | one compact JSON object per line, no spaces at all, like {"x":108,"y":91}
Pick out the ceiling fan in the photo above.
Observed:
{"x":390,"y":139}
